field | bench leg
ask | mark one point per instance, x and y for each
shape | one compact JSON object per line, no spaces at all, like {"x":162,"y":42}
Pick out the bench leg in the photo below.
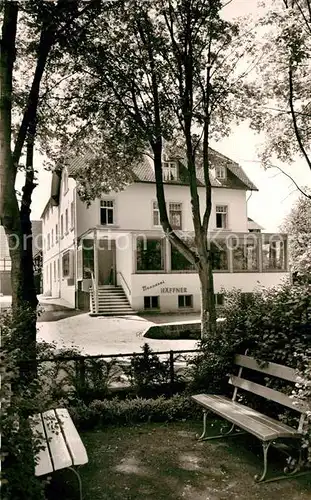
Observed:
{"x":204,"y":426}
{"x":265,"y":448}
{"x":223,"y":434}
{"x":79,"y":480}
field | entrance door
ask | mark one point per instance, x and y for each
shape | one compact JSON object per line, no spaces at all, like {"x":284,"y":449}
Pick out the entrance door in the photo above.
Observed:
{"x":106,"y":264}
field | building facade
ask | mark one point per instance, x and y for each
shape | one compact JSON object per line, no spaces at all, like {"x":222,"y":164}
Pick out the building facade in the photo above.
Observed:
{"x":117,"y":243}
{"x":5,"y":260}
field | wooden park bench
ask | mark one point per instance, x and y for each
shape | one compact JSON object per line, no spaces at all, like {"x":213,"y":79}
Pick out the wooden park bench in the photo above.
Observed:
{"x":243,"y":418}
{"x":61,"y":444}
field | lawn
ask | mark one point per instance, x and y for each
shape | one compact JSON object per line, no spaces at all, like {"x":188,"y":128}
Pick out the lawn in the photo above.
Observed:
{"x":165,"y":462}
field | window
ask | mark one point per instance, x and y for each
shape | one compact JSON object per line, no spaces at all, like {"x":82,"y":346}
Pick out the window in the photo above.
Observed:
{"x":245,"y":255}
{"x":66,"y":264}
{"x":219,"y":255}
{"x":88,"y":258}
{"x":175,"y":215}
{"x":221,"y":216}
{"x":149,"y":255}
{"x":65,"y":180}
{"x":151,"y":302}
{"x":106,"y":212}
{"x":66,"y":221}
{"x":155,"y":214}
{"x":273,"y":254}
{"x":5,"y":264}
{"x":185,"y":301}
{"x":72,"y":215}
{"x":52,"y":238}
{"x":49,"y":241}
{"x":61,"y":226}
{"x":219,"y":299}
{"x":56,"y":233}
{"x":221,"y":172}
{"x":169,"y":169}
{"x":54,"y":270}
{"x":179,"y":261}
{"x":57,"y":269}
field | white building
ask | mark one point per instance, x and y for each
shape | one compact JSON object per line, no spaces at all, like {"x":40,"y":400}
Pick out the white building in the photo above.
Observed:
{"x":116,"y":252}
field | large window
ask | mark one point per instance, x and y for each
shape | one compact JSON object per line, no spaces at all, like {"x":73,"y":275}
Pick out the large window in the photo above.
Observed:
{"x":66,"y":221}
{"x":65,"y":264}
{"x":65,"y":180}
{"x":106,"y":212}
{"x":52,"y":237}
{"x":169,"y":169}
{"x":219,"y":255}
{"x":72,"y":215}
{"x":221,"y":172}
{"x":150,"y":255}
{"x":56,"y":233}
{"x":185,"y":301}
{"x":273,"y":254}
{"x":5,"y":264}
{"x":221,"y":217}
{"x":245,"y":255}
{"x":151,"y":302}
{"x":88,"y":258}
{"x":155,"y":214}
{"x":62,"y":226}
{"x":179,"y":261}
{"x":175,"y":215}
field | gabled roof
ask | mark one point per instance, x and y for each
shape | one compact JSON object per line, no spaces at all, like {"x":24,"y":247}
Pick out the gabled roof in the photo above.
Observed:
{"x":144,"y":172}
{"x":251,"y":224}
{"x":236,"y":178}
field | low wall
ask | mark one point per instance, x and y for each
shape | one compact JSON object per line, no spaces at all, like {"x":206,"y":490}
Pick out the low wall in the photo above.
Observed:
{"x":178,"y":330}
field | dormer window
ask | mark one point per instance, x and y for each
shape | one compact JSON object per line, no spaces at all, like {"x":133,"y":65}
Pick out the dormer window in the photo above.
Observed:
{"x":221,"y":172}
{"x":170,"y":170}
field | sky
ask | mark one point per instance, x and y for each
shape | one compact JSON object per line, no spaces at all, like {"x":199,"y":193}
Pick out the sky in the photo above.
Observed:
{"x":276,"y":194}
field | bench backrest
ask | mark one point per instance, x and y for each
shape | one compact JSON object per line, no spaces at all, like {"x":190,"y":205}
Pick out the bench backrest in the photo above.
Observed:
{"x":271,"y":369}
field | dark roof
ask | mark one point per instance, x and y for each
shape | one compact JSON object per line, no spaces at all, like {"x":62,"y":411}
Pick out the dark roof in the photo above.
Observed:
{"x":236,"y":177}
{"x":144,"y":172}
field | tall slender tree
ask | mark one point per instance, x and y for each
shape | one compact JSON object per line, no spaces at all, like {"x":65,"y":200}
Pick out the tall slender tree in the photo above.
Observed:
{"x":33,"y":36}
{"x":166,"y":71}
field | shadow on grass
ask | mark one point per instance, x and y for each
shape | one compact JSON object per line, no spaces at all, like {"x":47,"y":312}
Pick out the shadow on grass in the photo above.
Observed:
{"x":164,"y":461}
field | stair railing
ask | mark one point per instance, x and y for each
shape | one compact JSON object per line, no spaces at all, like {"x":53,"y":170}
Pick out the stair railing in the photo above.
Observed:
{"x":124,"y":280}
{"x":95,"y":292}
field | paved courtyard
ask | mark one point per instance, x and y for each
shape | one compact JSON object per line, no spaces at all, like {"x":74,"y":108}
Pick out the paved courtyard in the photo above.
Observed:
{"x":107,"y":335}
{"x":103,"y":334}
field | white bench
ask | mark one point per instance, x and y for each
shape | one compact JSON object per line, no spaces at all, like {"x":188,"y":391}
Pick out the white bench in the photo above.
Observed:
{"x":61,"y":444}
{"x":266,"y":429}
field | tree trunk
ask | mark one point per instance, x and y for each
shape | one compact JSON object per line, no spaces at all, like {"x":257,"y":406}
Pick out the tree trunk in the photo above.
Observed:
{"x":208,"y":311}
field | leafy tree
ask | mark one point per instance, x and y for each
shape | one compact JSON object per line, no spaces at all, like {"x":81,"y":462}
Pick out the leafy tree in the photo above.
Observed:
{"x":164,"y":78}
{"x":283,"y":110}
{"x":33,"y":38}
{"x":298,"y":226}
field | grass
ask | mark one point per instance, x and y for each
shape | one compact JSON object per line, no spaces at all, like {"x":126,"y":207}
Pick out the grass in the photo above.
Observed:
{"x":165,"y":462}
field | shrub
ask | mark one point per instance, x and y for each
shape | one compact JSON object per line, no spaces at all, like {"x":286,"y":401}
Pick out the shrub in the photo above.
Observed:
{"x":274,"y":325}
{"x":147,"y":371}
{"x":131,"y":411}
{"x":39,"y":393}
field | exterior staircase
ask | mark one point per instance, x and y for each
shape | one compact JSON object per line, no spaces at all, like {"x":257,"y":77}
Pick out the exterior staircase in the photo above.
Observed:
{"x":112,"y":301}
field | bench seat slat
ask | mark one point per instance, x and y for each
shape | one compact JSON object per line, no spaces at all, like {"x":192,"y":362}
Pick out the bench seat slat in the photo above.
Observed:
{"x":273,"y":369}
{"x":43,"y":460}
{"x":74,"y":444}
{"x":266,"y":392}
{"x":264,"y":428}
{"x":58,"y":448}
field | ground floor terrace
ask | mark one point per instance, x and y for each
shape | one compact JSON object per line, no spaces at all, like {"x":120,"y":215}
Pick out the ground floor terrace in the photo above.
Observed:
{"x":154,"y":276}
